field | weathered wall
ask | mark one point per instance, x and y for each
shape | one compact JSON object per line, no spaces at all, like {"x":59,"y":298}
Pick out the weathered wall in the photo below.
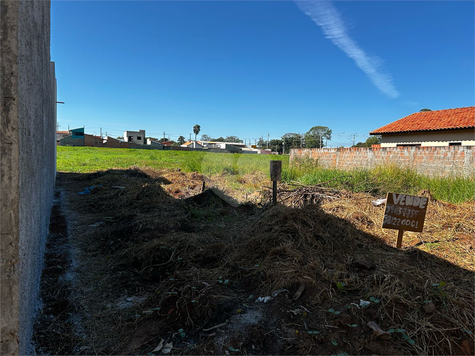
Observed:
{"x":432,"y":161}
{"x":27,"y":164}
{"x":431,"y":138}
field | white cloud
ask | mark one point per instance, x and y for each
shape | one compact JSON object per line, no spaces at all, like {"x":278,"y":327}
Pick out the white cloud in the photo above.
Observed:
{"x":324,"y":14}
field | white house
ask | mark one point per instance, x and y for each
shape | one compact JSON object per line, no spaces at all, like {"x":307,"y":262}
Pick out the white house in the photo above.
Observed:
{"x":450,"y":127}
{"x":137,"y":137}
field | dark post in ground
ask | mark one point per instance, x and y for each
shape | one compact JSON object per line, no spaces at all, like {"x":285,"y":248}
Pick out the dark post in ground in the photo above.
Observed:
{"x":275,"y":176}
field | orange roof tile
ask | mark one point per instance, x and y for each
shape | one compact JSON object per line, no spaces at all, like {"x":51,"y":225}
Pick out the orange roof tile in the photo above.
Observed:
{"x":449,"y":119}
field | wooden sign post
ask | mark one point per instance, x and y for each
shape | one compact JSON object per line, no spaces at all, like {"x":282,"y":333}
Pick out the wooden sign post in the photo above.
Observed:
{"x":404,"y":213}
{"x":275,"y":176}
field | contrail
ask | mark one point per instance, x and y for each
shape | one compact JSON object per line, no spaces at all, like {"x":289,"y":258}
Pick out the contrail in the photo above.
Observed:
{"x":327,"y":17}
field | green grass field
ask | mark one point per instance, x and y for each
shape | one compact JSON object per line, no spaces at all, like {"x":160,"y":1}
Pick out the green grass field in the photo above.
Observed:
{"x":377,"y":181}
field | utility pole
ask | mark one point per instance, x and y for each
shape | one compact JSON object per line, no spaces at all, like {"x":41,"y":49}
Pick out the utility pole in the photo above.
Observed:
{"x":190,"y":137}
{"x":267,"y":141}
{"x":101,"y":131}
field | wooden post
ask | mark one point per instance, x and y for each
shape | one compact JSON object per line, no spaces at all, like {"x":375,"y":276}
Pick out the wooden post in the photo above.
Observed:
{"x":275,"y":176}
{"x":399,"y":238}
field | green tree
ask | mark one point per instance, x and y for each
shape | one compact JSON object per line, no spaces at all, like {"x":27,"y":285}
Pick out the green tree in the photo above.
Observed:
{"x":234,"y":139}
{"x":314,"y":138}
{"x":373,"y":140}
{"x":196,"y":130}
{"x":261,"y":143}
{"x":291,"y":140}
{"x":275,"y":145}
{"x":206,"y":137}
{"x":181,"y":140}
{"x":219,"y":139}
{"x":422,"y":110}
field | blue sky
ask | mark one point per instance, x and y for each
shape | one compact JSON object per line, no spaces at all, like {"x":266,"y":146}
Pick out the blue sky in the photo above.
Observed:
{"x":252,"y":68}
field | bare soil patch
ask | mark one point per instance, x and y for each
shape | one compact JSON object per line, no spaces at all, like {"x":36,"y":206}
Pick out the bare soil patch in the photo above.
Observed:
{"x":157,"y":263}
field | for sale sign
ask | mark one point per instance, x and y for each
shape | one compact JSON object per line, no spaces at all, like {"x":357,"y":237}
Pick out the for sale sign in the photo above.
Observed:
{"x":405,"y":212}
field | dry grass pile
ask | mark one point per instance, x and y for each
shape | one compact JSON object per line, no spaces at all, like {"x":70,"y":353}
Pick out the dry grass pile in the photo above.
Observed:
{"x":186,"y":270}
{"x":342,"y":265}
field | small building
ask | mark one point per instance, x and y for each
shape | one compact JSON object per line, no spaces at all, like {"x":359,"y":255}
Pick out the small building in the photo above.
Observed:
{"x":137,"y":137}
{"x":450,"y":127}
{"x":167,"y":143}
{"x":60,"y":135}
{"x":74,"y":138}
{"x":154,"y":144}
{"x":193,"y":144}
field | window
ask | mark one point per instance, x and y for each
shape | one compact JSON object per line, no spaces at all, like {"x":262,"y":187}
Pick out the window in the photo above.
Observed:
{"x":139,"y":138}
{"x":455,"y":143}
{"x":409,"y":145}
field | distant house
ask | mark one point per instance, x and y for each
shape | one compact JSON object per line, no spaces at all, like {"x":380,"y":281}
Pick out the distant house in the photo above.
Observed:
{"x":137,"y":137}
{"x":450,"y":127}
{"x":75,"y":137}
{"x":60,"y":135}
{"x":193,"y":144}
{"x":155,"y":144}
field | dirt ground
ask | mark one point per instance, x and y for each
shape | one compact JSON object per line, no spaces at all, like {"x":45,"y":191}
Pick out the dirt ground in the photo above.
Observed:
{"x":156,"y":262}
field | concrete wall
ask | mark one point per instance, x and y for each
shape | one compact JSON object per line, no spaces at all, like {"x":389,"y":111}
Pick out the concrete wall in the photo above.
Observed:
{"x":27,"y":164}
{"x":137,"y":137}
{"x":432,"y":161}
{"x":466,"y":137}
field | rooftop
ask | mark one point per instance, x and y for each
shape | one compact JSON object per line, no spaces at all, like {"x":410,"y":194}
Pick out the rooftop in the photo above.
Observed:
{"x":449,"y":119}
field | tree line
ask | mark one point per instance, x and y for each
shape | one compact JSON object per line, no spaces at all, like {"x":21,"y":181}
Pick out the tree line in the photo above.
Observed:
{"x":316,"y":137}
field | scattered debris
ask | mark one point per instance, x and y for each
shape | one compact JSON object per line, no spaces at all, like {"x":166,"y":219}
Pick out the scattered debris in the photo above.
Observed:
{"x":88,"y":190}
{"x":305,"y":194}
{"x":167,"y":348}
{"x":159,"y":346}
{"x":263,"y":299}
{"x":378,"y":331}
{"x":215,"y":327}
{"x":379,"y":202}
{"x":299,"y":292}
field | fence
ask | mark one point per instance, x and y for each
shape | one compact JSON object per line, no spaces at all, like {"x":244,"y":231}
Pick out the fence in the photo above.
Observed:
{"x":431,"y":161}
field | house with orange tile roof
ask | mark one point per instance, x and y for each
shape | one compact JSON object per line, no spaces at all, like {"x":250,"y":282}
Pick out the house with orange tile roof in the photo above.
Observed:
{"x":193,"y":144}
{"x":450,"y":127}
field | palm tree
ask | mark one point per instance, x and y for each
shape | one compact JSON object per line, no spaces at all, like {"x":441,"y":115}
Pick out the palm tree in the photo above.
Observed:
{"x":196,"y":130}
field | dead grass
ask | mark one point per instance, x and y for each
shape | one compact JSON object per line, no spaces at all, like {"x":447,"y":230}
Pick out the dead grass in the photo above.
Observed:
{"x":192,"y":264}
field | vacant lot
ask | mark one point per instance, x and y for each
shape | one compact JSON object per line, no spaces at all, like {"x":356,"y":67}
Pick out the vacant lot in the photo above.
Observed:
{"x":234,"y":169}
{"x":151,"y":261}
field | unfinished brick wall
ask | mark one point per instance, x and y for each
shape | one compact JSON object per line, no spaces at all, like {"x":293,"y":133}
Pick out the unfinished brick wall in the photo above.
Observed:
{"x":431,"y":161}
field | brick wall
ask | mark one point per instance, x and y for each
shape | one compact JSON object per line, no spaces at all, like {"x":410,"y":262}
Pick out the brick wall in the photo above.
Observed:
{"x":432,"y":161}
